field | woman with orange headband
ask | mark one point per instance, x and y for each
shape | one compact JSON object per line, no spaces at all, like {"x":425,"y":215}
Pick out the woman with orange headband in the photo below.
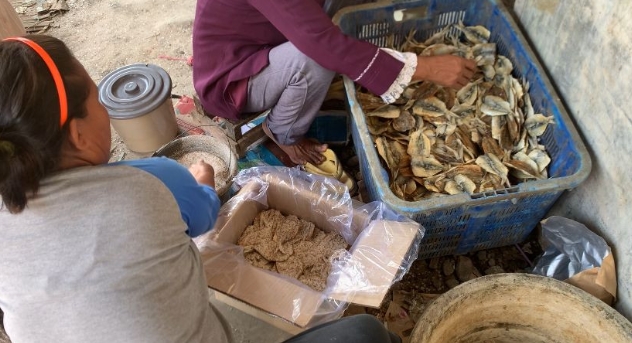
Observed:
{"x":97,"y":252}
{"x":92,"y":252}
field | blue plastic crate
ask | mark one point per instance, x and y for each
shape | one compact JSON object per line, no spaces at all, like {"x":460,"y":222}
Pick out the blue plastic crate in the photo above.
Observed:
{"x":459,"y":224}
{"x":331,"y":127}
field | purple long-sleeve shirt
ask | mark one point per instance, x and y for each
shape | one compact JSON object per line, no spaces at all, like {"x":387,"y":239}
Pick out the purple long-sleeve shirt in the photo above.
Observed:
{"x":232,"y":39}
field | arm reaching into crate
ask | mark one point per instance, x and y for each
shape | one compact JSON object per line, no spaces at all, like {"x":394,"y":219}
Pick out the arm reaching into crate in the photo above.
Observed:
{"x":256,"y":55}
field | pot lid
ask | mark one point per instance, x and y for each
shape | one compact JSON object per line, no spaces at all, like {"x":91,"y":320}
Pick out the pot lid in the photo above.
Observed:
{"x":134,"y":90}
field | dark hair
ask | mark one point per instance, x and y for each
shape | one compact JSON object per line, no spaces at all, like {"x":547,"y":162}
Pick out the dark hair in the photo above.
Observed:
{"x":31,"y":138}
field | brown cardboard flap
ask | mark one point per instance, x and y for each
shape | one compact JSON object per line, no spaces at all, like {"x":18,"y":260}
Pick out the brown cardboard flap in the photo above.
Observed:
{"x":379,"y":267}
{"x":264,"y":316}
{"x":601,"y":282}
{"x":607,"y":276}
{"x":264,"y":290}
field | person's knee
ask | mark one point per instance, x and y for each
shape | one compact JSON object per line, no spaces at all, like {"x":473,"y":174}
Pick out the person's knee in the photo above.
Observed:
{"x":367,"y":329}
{"x":312,"y":68}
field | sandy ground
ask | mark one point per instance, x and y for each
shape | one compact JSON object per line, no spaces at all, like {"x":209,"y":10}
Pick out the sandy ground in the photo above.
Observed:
{"x":108,"y":34}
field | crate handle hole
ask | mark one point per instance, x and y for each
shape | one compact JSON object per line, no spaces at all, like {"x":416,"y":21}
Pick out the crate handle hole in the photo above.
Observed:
{"x":410,"y":13}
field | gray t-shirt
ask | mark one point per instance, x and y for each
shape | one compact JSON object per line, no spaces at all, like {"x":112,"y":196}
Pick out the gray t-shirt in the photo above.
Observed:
{"x":101,"y":255}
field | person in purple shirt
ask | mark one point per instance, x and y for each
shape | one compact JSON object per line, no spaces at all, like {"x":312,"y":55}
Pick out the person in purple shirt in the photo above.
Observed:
{"x":255,"y":55}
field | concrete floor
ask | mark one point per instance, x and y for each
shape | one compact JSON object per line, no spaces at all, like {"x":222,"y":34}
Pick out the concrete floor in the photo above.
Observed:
{"x":245,"y":328}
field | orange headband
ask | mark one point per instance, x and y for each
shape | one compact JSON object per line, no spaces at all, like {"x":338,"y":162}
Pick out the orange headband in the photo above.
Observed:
{"x":59,"y":83}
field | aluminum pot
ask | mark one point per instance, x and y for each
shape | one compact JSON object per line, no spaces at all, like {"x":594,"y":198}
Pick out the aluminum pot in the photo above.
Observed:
{"x":214,"y":146}
{"x":138,"y":100}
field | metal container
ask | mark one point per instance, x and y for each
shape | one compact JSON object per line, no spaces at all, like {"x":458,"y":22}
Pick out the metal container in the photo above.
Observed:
{"x":218,"y":147}
{"x":138,"y":100}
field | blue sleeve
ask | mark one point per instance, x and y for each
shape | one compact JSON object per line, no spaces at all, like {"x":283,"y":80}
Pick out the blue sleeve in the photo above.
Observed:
{"x":199,"y":204}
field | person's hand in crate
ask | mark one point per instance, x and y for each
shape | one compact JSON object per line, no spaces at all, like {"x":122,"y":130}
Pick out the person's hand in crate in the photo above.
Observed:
{"x":445,"y":70}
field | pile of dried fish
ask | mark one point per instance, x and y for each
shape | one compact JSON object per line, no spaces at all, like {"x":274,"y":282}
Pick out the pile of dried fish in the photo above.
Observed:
{"x":438,"y":141}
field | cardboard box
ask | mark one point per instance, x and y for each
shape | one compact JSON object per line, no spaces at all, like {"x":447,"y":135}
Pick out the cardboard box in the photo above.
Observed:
{"x":378,"y":250}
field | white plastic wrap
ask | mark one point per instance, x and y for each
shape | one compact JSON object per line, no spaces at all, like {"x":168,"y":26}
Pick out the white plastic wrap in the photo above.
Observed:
{"x":383,"y":243}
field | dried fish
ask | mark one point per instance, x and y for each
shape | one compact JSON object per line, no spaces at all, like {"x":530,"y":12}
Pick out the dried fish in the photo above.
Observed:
{"x":495,"y":106}
{"x":483,"y":54}
{"x":439,"y":49}
{"x":491,"y":146}
{"x":388,"y":111}
{"x":446,"y":154}
{"x":522,"y":170}
{"x":376,"y":125}
{"x":386,"y":152}
{"x":463,"y":111}
{"x":438,"y":37}
{"x":537,"y":124}
{"x":503,"y":65}
{"x":474,"y":34}
{"x":465,"y":183}
{"x":425,"y":166}
{"x":524,"y":158}
{"x":541,"y":158}
{"x":445,"y":129}
{"x":430,"y":107}
{"x":419,"y":144}
{"x":404,"y":122}
{"x":492,"y":164}
{"x":468,"y":94}
{"x":488,"y":71}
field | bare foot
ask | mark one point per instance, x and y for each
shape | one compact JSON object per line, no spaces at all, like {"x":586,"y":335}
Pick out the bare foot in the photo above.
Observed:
{"x":307,"y":150}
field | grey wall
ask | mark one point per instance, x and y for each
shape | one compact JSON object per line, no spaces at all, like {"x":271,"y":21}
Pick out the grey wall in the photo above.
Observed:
{"x":586,"y":45}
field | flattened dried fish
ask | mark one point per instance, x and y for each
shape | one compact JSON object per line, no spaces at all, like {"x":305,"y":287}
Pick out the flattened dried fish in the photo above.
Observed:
{"x":474,"y":34}
{"x":385,"y":150}
{"x":488,"y":71}
{"x":446,"y":154}
{"x":438,"y":37}
{"x":388,"y":111}
{"x":430,"y":107}
{"x":491,"y":146}
{"x":445,"y":129}
{"x":524,"y":158}
{"x":492,"y":164}
{"x":404,"y":122}
{"x":537,"y":124}
{"x":522,"y":170}
{"x":376,"y":125}
{"x":419,"y":144}
{"x":541,"y":158}
{"x":503,"y":65}
{"x":465,"y":183}
{"x":425,"y":166}
{"x":439,"y":49}
{"x":483,"y":54}
{"x":472,"y":171}
{"x":468,"y":94}
{"x":495,"y":106}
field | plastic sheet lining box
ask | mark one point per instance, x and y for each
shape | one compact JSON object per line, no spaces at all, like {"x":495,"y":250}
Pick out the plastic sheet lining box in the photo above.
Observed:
{"x":458,"y":224}
{"x":383,"y":246}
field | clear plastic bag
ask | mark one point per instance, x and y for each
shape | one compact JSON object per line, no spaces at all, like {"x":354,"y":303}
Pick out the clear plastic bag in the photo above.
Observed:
{"x":383,"y":243}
